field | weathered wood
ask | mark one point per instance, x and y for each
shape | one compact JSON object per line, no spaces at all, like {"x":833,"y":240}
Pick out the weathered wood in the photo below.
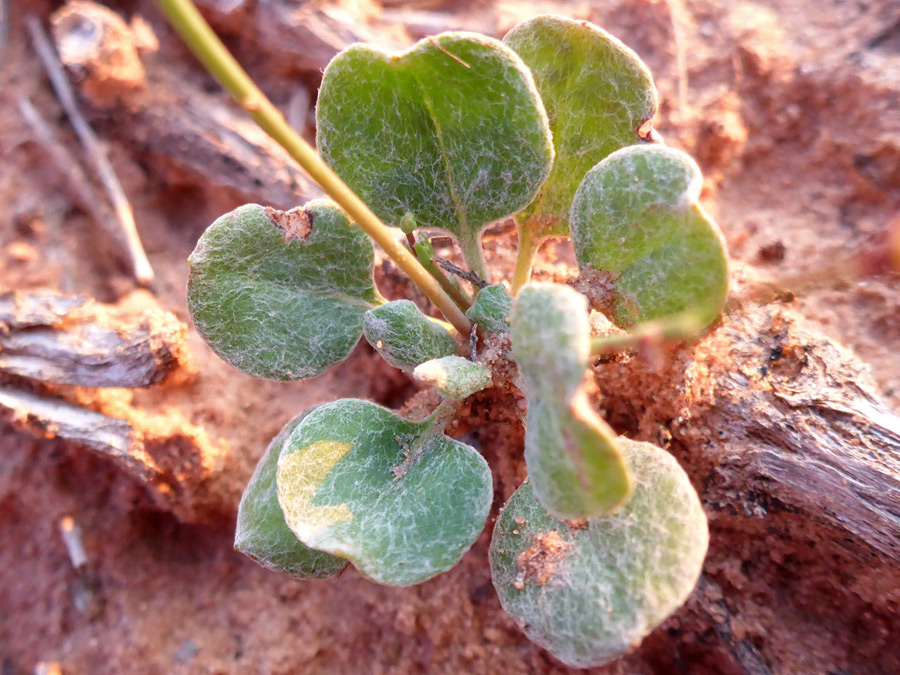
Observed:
{"x":297,"y":36}
{"x":126,"y":233}
{"x":184,"y":135}
{"x":773,"y":413}
{"x":56,"y":418}
{"x":57,"y":339}
{"x":175,"y":462}
{"x":37,"y":308}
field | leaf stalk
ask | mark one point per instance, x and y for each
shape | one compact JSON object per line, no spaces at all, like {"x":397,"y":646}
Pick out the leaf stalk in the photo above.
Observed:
{"x":209,"y":50}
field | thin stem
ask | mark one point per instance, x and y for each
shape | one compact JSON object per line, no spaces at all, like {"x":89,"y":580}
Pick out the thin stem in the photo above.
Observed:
{"x":470,"y":247}
{"x":425,"y":254}
{"x":127,"y":229}
{"x":441,"y":415}
{"x":684,"y":326}
{"x":528,"y":248}
{"x":202,"y":41}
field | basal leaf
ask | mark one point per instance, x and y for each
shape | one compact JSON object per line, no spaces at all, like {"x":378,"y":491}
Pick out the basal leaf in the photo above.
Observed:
{"x":261,"y":531}
{"x":405,"y":337}
{"x":398,"y":500}
{"x":453,"y":376}
{"x":491,"y":309}
{"x":573,"y":457}
{"x":451,"y":131}
{"x":282,"y":294}
{"x":637,"y":227}
{"x":589,"y":591}
{"x":597,"y":93}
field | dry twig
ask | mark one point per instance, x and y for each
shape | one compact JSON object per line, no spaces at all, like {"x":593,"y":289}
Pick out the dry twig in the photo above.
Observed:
{"x":142,"y":270}
{"x":58,"y":340}
{"x":80,"y":188}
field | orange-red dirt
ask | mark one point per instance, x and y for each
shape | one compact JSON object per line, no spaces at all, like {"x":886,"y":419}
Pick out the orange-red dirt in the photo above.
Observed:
{"x":791,"y":108}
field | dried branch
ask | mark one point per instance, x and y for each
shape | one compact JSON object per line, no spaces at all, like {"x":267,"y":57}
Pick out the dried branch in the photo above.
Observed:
{"x":186,"y":136}
{"x":55,"y":418}
{"x":79,"y":187}
{"x":296,"y":36}
{"x":38,"y":308}
{"x":142,"y":270}
{"x":60,"y":340}
{"x":773,"y":412}
{"x":182,"y":470}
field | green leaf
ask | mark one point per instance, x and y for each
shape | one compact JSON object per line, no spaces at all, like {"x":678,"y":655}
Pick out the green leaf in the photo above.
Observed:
{"x":573,"y":457}
{"x":639,"y":232}
{"x":261,"y":531}
{"x":453,"y":376}
{"x":404,"y":337}
{"x":401,"y":502}
{"x":590,"y":591}
{"x":282,"y":294}
{"x":550,"y":339}
{"x":491,"y":309}
{"x":597,"y":92}
{"x":451,"y":130}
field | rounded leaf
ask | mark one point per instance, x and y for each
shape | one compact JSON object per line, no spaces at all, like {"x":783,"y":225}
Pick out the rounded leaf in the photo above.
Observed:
{"x":451,"y":131}
{"x":637,"y":227}
{"x":598,"y":95}
{"x":399,"y":501}
{"x":491,"y":309}
{"x":453,"y":376}
{"x":590,"y":591}
{"x":573,"y":457}
{"x":404,"y":337}
{"x":551,"y":339}
{"x":282,"y":294}
{"x":261,"y":532}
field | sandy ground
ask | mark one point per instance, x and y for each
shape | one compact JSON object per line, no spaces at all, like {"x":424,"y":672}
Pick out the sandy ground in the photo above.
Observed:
{"x":791,"y":108}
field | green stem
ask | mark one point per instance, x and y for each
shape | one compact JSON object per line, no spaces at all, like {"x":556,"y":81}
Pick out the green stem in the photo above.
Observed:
{"x":528,"y":248}
{"x":450,"y":286}
{"x":202,"y":41}
{"x":439,"y":417}
{"x":425,"y":254}
{"x":684,"y":326}
{"x":474,"y":256}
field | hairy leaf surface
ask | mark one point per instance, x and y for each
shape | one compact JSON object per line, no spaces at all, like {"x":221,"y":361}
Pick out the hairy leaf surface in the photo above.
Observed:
{"x":453,"y":376}
{"x":398,"y":500}
{"x":405,"y":337}
{"x":282,"y":294}
{"x":261,"y":531}
{"x":636,"y":220}
{"x":590,"y":591}
{"x":597,"y":93}
{"x":451,"y":130}
{"x":491,"y":309}
{"x":573,"y":457}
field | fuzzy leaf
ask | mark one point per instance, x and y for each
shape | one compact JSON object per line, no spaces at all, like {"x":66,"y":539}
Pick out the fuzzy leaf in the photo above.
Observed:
{"x":404,"y":337}
{"x":637,"y":224}
{"x":282,"y":294}
{"x":398,"y":500}
{"x":590,"y":591}
{"x":597,"y":92}
{"x":261,"y":531}
{"x":453,"y":376}
{"x":451,"y":130}
{"x":573,"y":458}
{"x":491,"y":309}
{"x":550,"y":339}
